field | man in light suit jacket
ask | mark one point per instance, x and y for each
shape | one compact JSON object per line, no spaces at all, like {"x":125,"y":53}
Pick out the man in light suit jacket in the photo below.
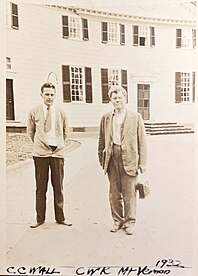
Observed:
{"x":47,"y":127}
{"x":122,"y":153}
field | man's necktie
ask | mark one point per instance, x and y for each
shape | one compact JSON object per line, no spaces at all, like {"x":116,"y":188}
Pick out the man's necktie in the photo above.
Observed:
{"x":48,"y":120}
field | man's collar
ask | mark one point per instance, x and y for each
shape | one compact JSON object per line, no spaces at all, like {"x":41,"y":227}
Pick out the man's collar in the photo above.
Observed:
{"x":46,"y":107}
{"x":121,"y":113}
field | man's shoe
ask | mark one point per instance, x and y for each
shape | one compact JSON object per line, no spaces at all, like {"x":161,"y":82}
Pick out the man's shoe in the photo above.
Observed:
{"x":115,"y":228}
{"x":129,"y":230}
{"x":37,"y":224}
{"x":65,"y":222}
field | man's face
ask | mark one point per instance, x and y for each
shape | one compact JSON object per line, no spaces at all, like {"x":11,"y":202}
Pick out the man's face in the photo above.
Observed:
{"x":48,"y":95}
{"x":118,"y":100}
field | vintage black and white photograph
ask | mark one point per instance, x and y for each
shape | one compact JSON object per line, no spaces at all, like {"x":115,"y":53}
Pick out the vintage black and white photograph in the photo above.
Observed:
{"x":100,"y":137}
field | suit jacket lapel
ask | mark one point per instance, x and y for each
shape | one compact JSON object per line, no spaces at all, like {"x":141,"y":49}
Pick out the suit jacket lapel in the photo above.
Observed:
{"x":127,"y":122}
{"x":109,"y":125}
{"x":42,"y":118}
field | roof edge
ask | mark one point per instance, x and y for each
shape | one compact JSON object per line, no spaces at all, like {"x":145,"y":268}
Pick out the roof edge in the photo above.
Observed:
{"x":78,"y":10}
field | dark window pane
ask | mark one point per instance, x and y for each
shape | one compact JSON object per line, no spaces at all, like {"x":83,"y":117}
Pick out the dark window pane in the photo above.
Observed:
{"x":140,"y":86}
{"x":142,"y":41}
{"x":104,"y":32}
{"x":104,"y":26}
{"x":140,"y":103}
{"x":146,"y":103}
{"x":15,"y":21}
{"x":65,"y":20}
{"x":14,"y":9}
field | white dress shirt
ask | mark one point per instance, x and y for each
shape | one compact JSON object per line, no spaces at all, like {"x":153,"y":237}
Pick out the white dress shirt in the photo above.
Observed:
{"x":51,"y":135}
{"x":118,"y":119}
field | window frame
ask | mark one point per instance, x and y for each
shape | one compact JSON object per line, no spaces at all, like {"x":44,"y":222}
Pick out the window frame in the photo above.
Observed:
{"x":113,"y":33}
{"x":185,"y":87}
{"x":81,"y":77}
{"x":149,"y":36}
{"x":9,"y":63}
{"x":114,"y":77}
{"x":82,"y":27}
{"x":194,"y":38}
{"x":87,"y":93}
{"x":107,"y":32}
{"x":183,"y":41}
{"x":75,"y":24}
{"x":14,"y":16}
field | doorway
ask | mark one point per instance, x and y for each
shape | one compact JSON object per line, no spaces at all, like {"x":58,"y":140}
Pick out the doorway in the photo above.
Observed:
{"x":144,"y":100}
{"x":9,"y":100}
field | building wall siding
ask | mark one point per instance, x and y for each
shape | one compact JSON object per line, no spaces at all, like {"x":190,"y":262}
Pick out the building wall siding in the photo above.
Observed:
{"x":38,"y":48}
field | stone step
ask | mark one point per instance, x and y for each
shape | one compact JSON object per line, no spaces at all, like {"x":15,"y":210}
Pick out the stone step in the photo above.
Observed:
{"x":15,"y":127}
{"x":161,"y":128}
{"x":169,"y":129}
{"x":151,"y":123}
{"x":171,"y":132}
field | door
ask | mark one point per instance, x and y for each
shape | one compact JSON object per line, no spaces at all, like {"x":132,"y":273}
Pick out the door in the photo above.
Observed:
{"x":144,"y":100}
{"x":9,"y":100}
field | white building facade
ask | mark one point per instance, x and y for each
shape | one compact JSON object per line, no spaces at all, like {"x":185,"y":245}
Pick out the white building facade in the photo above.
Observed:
{"x":85,"y":51}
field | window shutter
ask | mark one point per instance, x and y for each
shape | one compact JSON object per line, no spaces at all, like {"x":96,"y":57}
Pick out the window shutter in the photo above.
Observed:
{"x":15,"y":18}
{"x":65,"y":24}
{"x":104,"y":32}
{"x":85,"y":29}
{"x":177,"y":87}
{"x":135,"y":36}
{"x":88,"y":85}
{"x":194,"y":38}
{"x":124,"y":81}
{"x":152,"y":36}
{"x":122,"y":34}
{"x":105,"y":85}
{"x":66,"y":83}
{"x":178,"y":38}
{"x":193,"y":94}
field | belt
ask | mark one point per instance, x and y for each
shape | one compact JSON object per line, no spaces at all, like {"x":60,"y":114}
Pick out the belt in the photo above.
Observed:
{"x":116,"y":145}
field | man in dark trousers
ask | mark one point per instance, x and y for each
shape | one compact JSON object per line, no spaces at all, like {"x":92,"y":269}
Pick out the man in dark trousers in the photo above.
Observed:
{"x":48,"y":129}
{"x":122,"y":152}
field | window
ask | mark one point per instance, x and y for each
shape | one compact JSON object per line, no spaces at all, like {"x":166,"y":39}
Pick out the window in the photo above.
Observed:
{"x":143,"y":36}
{"x":75,"y":27}
{"x":111,"y":77}
{"x":194,"y":38}
{"x":113,"y":33}
{"x":85,"y":29}
{"x":184,"y":87}
{"x":144,"y":100}
{"x":77,"y":84}
{"x":185,"y":38}
{"x":8,"y":63}
{"x":14,"y":16}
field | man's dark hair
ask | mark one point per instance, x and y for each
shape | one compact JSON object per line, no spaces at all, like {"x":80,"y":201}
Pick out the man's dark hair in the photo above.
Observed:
{"x":47,"y":85}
